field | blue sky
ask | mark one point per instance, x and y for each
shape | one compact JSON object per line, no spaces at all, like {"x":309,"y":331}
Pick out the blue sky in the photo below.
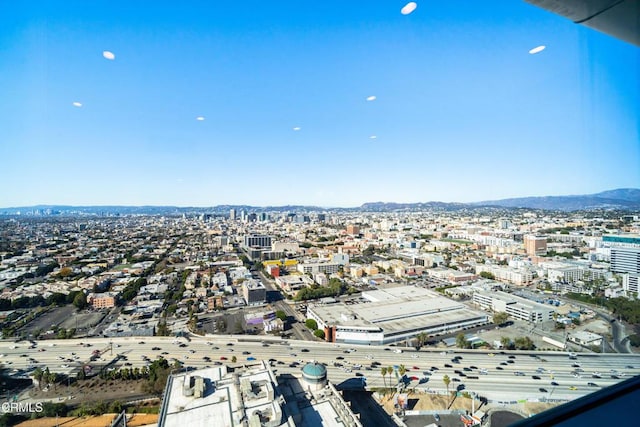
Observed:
{"x":462,"y":111}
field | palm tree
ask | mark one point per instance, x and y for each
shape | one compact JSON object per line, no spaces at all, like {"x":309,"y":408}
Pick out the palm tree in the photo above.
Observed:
{"x":37,"y":375}
{"x":234,"y":359}
{"x":52,"y":378}
{"x":421,"y":338}
{"x":402,"y":370}
{"x":446,"y":380}
{"x":46,"y":375}
{"x":383,"y":372}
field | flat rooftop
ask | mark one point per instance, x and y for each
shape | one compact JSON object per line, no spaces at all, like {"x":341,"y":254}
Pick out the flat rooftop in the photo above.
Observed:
{"x":227,"y":398}
{"x":397,"y":309}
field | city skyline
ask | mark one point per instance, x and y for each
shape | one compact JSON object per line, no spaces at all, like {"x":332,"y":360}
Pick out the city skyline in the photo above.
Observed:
{"x":325,"y":104}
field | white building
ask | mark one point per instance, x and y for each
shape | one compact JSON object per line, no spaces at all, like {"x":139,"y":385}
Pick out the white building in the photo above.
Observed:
{"x":392,"y":315}
{"x":514,"y":306}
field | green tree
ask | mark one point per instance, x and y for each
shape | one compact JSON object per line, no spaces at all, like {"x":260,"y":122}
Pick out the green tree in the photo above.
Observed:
{"x":163,"y":329}
{"x":487,"y":275}
{"x":234,"y":359}
{"x":319,"y":333}
{"x":115,"y":407}
{"x":80,"y":301}
{"x":524,"y":343}
{"x":461,"y":341}
{"x":500,"y":317}
{"x":281,"y":315}
{"x":311,"y":324}
{"x":505,"y":342}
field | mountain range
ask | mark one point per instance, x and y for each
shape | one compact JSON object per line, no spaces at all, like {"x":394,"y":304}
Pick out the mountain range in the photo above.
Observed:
{"x":618,"y":199}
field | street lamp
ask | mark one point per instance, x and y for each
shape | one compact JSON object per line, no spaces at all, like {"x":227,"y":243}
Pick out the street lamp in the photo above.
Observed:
{"x":473,"y":402}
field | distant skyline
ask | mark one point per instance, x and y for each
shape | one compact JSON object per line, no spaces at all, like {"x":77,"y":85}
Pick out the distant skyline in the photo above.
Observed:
{"x":309,"y":103}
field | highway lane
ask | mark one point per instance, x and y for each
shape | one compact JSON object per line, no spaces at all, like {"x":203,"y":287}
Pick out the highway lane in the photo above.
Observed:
{"x":497,"y":384}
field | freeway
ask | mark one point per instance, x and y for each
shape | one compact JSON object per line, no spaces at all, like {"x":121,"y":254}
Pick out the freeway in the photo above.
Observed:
{"x":551,"y":375}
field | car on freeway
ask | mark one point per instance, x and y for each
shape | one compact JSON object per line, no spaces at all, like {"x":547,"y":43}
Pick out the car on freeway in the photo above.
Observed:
{"x":223,"y":358}
{"x":141,"y":342}
{"x":629,"y":367}
{"x":415,"y":368}
{"x":304,"y":350}
{"x":535,"y":377}
{"x":512,"y":357}
{"x":156,"y":348}
{"x":542,"y":390}
{"x":490,"y":354}
{"x":592,"y":384}
{"x":229,"y":344}
{"x":499,"y":368}
{"x":250,"y":358}
{"x":446,"y":365}
{"x":339,"y":358}
{"x":436,"y":417}
{"x":246,"y":352}
{"x":555,"y":384}
{"x":572,"y":387}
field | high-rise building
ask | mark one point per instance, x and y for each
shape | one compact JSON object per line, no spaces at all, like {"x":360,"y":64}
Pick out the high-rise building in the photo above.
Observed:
{"x":625,"y":260}
{"x":232,"y":214}
{"x":257,"y":240}
{"x":535,"y":245}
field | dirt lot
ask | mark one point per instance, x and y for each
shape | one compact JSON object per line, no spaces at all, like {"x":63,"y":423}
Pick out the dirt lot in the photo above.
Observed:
{"x":433,"y":402}
{"x":134,"y":420}
{"x":93,"y":390}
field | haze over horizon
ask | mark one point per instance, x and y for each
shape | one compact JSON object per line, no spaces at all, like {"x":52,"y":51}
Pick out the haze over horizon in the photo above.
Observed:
{"x":328,"y":104}
{"x":636,"y":192}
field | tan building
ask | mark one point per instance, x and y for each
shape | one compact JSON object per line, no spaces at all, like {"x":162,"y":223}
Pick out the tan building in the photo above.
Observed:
{"x":101,"y":300}
{"x":535,"y":245}
{"x":353,"y":229}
